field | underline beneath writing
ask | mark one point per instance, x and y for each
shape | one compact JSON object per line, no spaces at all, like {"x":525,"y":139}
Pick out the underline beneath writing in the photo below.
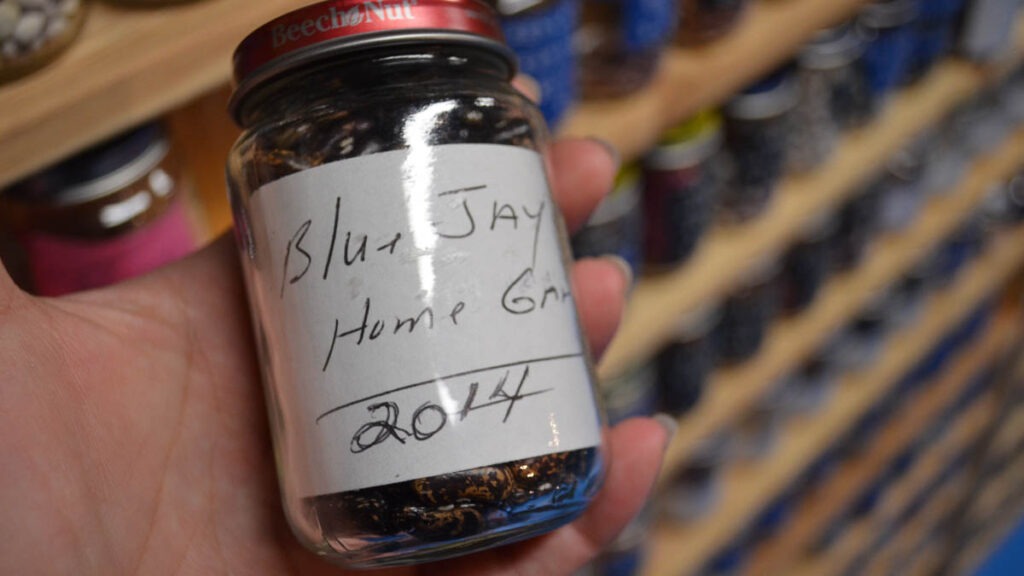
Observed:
{"x":446,"y":377}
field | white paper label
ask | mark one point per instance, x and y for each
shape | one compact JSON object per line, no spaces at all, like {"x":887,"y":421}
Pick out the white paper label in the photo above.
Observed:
{"x":417,"y":316}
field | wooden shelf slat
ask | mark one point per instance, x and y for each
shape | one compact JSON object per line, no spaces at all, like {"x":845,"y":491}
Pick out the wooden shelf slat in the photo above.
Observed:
{"x":732,"y":393}
{"x":854,"y":477}
{"x":803,"y":441}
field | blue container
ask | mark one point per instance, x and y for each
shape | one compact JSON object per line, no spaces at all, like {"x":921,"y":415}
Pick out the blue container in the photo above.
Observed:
{"x":890,"y":31}
{"x":541,"y":36}
{"x":936,"y":31}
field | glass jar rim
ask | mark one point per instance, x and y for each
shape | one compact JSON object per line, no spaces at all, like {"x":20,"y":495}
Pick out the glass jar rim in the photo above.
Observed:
{"x":326,"y":29}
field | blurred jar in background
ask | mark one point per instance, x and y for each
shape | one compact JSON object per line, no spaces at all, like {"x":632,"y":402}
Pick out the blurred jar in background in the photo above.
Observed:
{"x":619,"y":43}
{"x":808,"y":263}
{"x":987,"y":30}
{"x":681,"y":189}
{"x":540,"y":33}
{"x":703,"y":21}
{"x":686,"y":362}
{"x":34,"y":32}
{"x":757,"y":126}
{"x":936,"y":32}
{"x":889,"y":27}
{"x":748,"y":312}
{"x":616,"y":226}
{"x":834,"y":96}
{"x":118,"y":210}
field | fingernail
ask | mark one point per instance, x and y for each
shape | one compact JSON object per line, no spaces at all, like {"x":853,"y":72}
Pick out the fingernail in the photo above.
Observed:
{"x":613,"y":152}
{"x":624,"y":269}
{"x":669,"y":423}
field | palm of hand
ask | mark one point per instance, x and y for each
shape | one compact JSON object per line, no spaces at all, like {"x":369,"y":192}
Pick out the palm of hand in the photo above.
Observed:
{"x":133,"y":436}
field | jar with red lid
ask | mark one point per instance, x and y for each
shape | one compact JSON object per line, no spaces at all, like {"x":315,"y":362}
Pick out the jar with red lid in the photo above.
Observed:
{"x":429,"y":388}
{"x":115,"y":211}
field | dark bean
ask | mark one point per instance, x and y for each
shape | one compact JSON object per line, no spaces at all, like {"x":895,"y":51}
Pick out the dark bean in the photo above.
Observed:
{"x":486,"y":485}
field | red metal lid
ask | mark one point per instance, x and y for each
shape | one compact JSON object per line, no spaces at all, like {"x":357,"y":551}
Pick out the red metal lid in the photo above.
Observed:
{"x":341,"y":25}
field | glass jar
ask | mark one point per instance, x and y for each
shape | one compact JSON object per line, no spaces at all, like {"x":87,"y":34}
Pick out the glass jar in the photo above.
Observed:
{"x":685,"y":363}
{"x":616,"y":226}
{"x":681,"y":185}
{"x":808,"y":263}
{"x":748,"y":312}
{"x":113,"y":212}
{"x":834,"y":96}
{"x":428,"y":383}
{"x":618,"y":44}
{"x":757,"y":125}
{"x":936,"y":32}
{"x":540,"y":33}
{"x":704,"y":21}
{"x":888,"y":26}
{"x":987,"y":28}
{"x":34,"y":32}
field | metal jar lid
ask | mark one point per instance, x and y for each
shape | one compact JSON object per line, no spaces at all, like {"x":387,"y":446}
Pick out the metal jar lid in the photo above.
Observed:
{"x":326,"y":29}
{"x":889,"y":13}
{"x":832,"y":48}
{"x":99,"y":171}
{"x":688,"y":144}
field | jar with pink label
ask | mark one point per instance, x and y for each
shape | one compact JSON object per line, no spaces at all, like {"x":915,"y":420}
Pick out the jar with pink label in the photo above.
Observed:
{"x":113,"y":212}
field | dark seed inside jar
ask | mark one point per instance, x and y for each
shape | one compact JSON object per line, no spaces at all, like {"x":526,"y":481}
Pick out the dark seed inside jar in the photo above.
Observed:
{"x":459,"y":504}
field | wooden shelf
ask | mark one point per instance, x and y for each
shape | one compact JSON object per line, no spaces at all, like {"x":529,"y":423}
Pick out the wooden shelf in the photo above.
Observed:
{"x":722,"y":259}
{"x":854,"y":477}
{"x":866,"y":533}
{"x":748,"y":489}
{"x":131,"y":65}
{"x":691,"y":80}
{"x":919,"y":527}
{"x":731,"y":393}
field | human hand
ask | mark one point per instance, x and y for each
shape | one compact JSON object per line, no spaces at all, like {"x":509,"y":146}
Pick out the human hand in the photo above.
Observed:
{"x":133,"y":433}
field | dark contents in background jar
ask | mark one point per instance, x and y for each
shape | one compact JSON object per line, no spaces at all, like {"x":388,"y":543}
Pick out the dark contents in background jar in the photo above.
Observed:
{"x":834,"y":96}
{"x":807,"y":264}
{"x":889,"y":27}
{"x":610,"y":64}
{"x":858,"y":224}
{"x":681,"y":185}
{"x":459,"y":504}
{"x":757,"y":125}
{"x":703,"y":21}
{"x":616,"y":226}
{"x":747,"y":314}
{"x":687,"y":360}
